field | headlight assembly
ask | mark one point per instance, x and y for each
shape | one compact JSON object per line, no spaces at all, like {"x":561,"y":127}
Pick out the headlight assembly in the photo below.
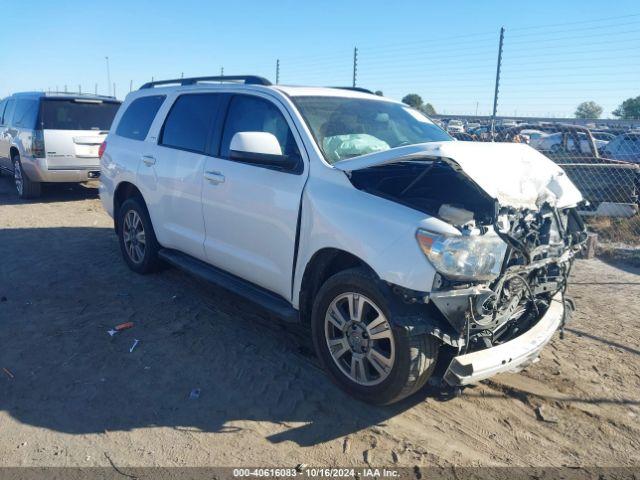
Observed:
{"x":463,"y":257}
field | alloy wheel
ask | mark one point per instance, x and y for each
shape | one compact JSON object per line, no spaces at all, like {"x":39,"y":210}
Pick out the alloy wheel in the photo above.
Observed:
{"x":134,"y":237}
{"x":17,"y":177}
{"x":359,"y":338}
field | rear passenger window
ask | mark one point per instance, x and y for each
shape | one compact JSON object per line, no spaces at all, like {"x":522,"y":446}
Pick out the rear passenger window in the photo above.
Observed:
{"x":188,"y":123}
{"x":138,"y":117}
{"x":253,"y":114}
{"x":26,"y":113}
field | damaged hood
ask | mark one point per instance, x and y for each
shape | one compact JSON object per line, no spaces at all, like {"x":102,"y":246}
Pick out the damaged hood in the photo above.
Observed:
{"x":514,"y":174}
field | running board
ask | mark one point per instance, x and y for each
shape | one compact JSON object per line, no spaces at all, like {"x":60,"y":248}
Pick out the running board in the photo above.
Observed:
{"x":275,"y":304}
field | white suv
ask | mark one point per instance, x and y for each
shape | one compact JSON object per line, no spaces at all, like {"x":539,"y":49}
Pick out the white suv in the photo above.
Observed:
{"x":52,"y":137}
{"x":400,"y":248}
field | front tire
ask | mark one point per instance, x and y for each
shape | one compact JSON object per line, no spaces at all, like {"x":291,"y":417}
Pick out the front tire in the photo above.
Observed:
{"x":360,"y":347}
{"x":137,"y":239}
{"x":25,"y":188}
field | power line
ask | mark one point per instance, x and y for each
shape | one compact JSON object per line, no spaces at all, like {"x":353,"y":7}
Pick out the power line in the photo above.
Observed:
{"x":601,"y":19}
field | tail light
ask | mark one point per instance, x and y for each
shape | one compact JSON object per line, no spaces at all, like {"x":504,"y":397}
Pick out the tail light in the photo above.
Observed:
{"x":37,"y":144}
{"x":103,"y":147}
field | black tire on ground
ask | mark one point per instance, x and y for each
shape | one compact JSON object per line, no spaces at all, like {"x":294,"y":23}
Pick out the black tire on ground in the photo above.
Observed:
{"x":415,"y":355}
{"x":25,"y":188}
{"x":148,"y":262}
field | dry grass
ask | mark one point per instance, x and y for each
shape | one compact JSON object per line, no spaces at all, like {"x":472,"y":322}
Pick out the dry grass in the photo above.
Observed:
{"x":617,"y":230}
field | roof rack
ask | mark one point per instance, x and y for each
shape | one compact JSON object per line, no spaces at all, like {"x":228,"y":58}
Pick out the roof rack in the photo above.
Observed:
{"x":356,"y":89}
{"x":247,"y":79}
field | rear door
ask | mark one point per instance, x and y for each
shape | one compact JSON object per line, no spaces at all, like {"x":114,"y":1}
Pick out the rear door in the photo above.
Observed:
{"x":73,"y":130}
{"x":171,"y":171}
{"x":251,"y":211}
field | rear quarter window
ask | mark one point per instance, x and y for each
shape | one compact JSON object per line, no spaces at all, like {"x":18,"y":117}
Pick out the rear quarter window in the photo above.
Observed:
{"x":26,"y":113}
{"x":138,"y":117}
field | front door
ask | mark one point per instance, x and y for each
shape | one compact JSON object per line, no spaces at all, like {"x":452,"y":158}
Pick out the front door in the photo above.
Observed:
{"x":250,"y":211}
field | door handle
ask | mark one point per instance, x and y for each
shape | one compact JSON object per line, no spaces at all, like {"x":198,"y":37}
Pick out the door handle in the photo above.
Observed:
{"x":214,"y":177}
{"x":148,"y":160}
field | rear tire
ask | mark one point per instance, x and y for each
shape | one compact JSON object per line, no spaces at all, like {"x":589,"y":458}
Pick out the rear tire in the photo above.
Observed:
{"x":400,"y":364}
{"x":137,"y":239}
{"x":25,"y":188}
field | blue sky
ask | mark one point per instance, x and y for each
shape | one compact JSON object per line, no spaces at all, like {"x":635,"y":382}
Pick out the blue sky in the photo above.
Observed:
{"x":557,"y":53}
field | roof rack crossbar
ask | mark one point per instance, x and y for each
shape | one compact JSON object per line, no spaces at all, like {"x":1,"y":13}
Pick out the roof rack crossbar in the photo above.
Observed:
{"x":355,"y":89}
{"x":247,"y":79}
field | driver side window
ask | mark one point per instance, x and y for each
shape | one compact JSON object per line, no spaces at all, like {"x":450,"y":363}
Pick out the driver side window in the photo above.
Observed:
{"x":254,"y":114}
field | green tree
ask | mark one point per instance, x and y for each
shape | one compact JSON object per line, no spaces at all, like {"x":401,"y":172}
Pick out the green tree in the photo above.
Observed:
{"x":629,"y":109}
{"x":588,"y":110}
{"x":428,"y":109}
{"x":413,"y":100}
{"x":379,"y":93}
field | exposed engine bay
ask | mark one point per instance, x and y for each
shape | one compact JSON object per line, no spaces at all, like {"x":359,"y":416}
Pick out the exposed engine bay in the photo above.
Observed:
{"x":541,"y":245}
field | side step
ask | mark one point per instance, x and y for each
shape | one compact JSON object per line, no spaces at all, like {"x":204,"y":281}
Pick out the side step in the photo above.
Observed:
{"x":272,"y":302}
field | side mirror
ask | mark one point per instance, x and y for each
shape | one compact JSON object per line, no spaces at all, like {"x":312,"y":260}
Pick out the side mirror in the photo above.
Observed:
{"x":260,"y":148}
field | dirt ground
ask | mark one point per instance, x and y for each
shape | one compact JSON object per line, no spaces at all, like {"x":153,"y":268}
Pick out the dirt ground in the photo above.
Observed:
{"x":73,"y":396}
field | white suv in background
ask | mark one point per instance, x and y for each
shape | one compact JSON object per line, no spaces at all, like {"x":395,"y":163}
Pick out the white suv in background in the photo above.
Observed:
{"x":401,"y":249}
{"x":48,"y":137}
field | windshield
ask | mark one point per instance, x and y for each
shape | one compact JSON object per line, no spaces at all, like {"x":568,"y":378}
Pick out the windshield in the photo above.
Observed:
{"x":80,"y":114}
{"x":349,"y":127}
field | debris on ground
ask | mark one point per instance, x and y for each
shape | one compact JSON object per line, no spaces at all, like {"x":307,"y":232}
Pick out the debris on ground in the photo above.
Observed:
{"x":301,"y":467}
{"x":119,"y":328}
{"x":9,"y":374}
{"x":194,"y":394}
{"x":545,"y":416}
{"x":135,"y":344}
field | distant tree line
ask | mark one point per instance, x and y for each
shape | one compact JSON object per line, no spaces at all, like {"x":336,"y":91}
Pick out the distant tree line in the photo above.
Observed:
{"x":414,"y":100}
{"x":628,"y":110}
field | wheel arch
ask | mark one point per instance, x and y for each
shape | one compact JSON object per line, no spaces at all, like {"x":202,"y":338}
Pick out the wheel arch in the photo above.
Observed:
{"x":13,"y":151}
{"x":124,"y":191}
{"x":323,"y":264}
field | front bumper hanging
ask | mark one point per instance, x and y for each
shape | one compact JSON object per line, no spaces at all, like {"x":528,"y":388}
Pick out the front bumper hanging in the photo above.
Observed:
{"x":511,"y":356}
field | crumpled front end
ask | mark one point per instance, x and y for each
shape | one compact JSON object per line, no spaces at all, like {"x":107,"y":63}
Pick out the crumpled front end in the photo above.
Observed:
{"x":504,"y":324}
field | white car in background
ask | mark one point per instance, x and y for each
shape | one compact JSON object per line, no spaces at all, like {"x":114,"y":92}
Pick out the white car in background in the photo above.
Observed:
{"x":531,"y":135}
{"x":52,"y":137}
{"x":353,"y":215}
{"x":455,"y":126}
{"x":553,"y":142}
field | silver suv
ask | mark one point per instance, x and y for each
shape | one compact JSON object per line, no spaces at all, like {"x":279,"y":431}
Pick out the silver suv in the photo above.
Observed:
{"x":55,"y":137}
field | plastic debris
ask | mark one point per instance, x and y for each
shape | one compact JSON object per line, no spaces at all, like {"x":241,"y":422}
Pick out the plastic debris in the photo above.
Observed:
{"x":119,"y":328}
{"x":135,"y":344}
{"x":194,"y":394}
{"x":9,"y":374}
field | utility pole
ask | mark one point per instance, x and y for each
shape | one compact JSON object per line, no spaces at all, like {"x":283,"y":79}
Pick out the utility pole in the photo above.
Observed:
{"x":495,"y":94}
{"x":108,"y":76}
{"x":114,"y":89}
{"x":277,"y":71}
{"x":80,"y":89}
{"x":96,"y":88}
{"x":130,"y":86}
{"x":221,"y":73}
{"x":355,"y":65}
{"x":477,"y":104}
